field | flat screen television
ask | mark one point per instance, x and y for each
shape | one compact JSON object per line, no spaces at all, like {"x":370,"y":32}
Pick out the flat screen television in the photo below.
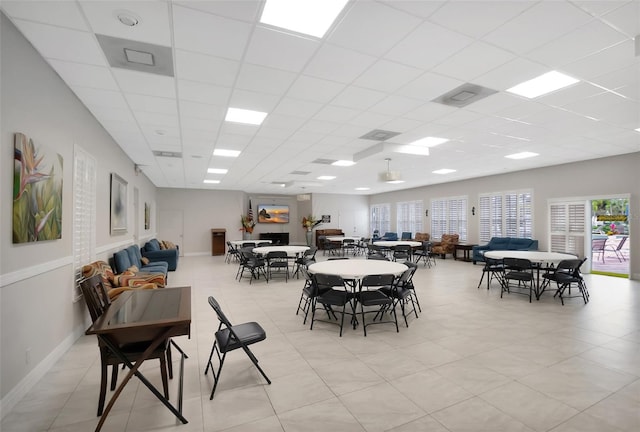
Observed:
{"x":273,"y":213}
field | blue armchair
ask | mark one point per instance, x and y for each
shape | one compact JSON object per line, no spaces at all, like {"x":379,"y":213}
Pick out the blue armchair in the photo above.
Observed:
{"x":154,"y":253}
{"x":503,"y":243}
{"x":130,"y":256}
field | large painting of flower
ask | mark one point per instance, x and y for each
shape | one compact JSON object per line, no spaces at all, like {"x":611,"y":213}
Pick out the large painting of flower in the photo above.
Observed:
{"x":37,"y":192}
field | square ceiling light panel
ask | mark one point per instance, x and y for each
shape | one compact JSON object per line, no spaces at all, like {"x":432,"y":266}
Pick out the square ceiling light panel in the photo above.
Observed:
{"x":546,"y":83}
{"x":310,"y":17}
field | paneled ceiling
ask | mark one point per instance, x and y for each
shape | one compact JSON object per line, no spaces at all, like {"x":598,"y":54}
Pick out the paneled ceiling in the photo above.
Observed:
{"x":379,"y":67}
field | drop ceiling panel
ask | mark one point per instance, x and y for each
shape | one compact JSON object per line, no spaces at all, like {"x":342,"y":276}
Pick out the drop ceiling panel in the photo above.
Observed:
{"x":202,"y":111}
{"x":474,"y":60}
{"x":203,"y":93}
{"x":510,"y":74}
{"x":264,"y":79}
{"x":209,"y":34}
{"x":152,"y":104}
{"x":606,"y":61}
{"x":387,"y":76}
{"x":428,"y":86}
{"x":84,"y":75}
{"x":625,"y":18}
{"x":314,"y":89}
{"x":144,"y":83}
{"x":255,"y":101}
{"x":279,"y":50}
{"x":62,"y":44}
{"x":358,"y":98}
{"x":360,"y":29}
{"x":205,"y":69}
{"x":153,"y":26}
{"x":338,"y":64}
{"x":243,"y":10}
{"x":64,"y":14}
{"x":101,"y":98}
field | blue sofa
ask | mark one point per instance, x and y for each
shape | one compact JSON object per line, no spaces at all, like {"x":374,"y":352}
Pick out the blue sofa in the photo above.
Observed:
{"x":154,"y":253}
{"x":130,"y":256}
{"x":503,"y":243}
{"x":389,"y":236}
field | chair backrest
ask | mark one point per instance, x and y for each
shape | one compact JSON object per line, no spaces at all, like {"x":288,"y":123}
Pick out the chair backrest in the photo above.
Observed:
{"x":517,"y":264}
{"x":598,"y":244}
{"x":324,"y":281}
{"x":95,"y":296}
{"x":622,"y":242}
{"x":221,"y":316}
{"x":277,"y":256}
{"x":568,"y":266}
{"x":378,"y":280}
{"x":405,"y":236}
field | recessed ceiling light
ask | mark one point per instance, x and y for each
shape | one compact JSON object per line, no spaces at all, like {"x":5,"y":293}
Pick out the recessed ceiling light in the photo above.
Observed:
{"x":160,"y":132}
{"x":546,"y":83}
{"x":211,"y":181}
{"x":429,"y":142}
{"x":326,"y":177}
{"x":395,"y":181}
{"x":345,"y":163}
{"x":362,"y":188}
{"x":414,"y":150}
{"x":522,"y":155}
{"x":312,"y":17}
{"x":443,"y":171}
{"x":239,"y":115}
{"x":637,"y":130}
{"x":128,"y":18}
{"x":226,"y":153}
{"x":217,"y":171}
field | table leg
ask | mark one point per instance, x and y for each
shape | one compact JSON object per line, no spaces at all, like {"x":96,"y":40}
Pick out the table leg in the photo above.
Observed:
{"x":133,"y":370}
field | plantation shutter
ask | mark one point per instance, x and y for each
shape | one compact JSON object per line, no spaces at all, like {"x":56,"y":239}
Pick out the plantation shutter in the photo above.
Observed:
{"x":84,"y":214}
{"x":567,"y":227}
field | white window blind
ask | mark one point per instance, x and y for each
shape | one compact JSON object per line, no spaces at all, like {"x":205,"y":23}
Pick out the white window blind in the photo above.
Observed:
{"x":567,"y":227}
{"x":506,"y":214}
{"x":449,"y":216}
{"x":84,"y":214}
{"x":380,"y":218}
{"x":409,"y":217}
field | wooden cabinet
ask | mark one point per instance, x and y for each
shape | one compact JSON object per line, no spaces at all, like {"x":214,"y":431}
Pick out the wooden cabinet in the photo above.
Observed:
{"x":218,"y":241}
{"x":326,"y":233}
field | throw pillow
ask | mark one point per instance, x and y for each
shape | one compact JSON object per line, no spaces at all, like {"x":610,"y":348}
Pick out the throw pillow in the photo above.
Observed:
{"x":144,"y":260}
{"x":169,"y":245}
{"x":162,"y":245}
{"x":120,"y":280}
{"x":134,"y":269}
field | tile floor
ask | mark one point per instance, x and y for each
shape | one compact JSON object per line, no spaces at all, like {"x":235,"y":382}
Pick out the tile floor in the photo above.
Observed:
{"x":471,"y":362}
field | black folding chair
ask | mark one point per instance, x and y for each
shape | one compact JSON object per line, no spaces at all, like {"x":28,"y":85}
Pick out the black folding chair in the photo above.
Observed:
{"x":518,"y":270}
{"x":230,"y":337}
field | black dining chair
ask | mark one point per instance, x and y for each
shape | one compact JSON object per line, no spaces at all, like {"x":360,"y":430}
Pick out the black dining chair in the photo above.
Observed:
{"x":375,"y":300}
{"x":331,"y":292}
{"x":231,"y":337}
{"x":518,"y":270}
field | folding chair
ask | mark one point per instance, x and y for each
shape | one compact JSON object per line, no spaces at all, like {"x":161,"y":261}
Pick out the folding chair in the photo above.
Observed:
{"x":230,"y":337}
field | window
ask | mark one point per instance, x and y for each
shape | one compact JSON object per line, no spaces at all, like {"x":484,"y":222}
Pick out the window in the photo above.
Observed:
{"x":506,"y":214}
{"x":449,"y":216}
{"x":567,"y":227}
{"x":380,"y":218}
{"x":84,"y":214}
{"x":409,"y":217}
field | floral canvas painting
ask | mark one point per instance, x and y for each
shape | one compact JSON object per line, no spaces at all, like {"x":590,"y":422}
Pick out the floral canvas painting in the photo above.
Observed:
{"x":118,"y":205}
{"x":37,"y":192}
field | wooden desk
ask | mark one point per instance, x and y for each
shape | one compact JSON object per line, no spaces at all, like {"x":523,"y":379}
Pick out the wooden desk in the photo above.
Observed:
{"x":466,"y":250}
{"x":145,"y":315}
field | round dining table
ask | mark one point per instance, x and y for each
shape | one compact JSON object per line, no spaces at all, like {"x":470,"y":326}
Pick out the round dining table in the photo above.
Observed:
{"x":241,"y":243}
{"x":343,"y":238}
{"x":356,"y":269}
{"x":394,"y":243}
{"x":291,"y":250}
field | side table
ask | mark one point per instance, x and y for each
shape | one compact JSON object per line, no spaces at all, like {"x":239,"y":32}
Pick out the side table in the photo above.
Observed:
{"x":466,"y":251}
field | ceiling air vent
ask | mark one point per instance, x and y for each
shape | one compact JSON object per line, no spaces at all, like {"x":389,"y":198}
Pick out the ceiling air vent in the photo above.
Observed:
{"x":138,"y":56}
{"x":379,"y":135}
{"x":300,"y":172}
{"x":324,"y":161}
{"x":464,"y":95}
{"x":161,"y":153}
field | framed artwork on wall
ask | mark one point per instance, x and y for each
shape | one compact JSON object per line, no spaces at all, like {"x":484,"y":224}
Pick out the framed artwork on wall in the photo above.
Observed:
{"x":118,"y":205}
{"x":147,"y":216}
{"x":37,"y":192}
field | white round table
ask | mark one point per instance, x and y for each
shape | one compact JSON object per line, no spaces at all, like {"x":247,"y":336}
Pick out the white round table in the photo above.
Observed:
{"x":291,"y":251}
{"x":539,"y":257}
{"x":392,"y":243}
{"x":342,"y":238}
{"x":241,"y":243}
{"x":356,"y":269}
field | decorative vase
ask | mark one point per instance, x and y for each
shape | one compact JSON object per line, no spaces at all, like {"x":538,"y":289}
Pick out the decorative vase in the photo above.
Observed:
{"x":309,"y":235}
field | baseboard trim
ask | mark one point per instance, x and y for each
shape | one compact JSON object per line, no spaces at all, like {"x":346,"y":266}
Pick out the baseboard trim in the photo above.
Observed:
{"x":31,"y":379}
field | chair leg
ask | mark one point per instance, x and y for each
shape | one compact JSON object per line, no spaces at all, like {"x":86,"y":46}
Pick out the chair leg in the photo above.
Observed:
{"x":103,"y":387}
{"x":169,"y":361}
{"x":114,"y":377}
{"x":163,"y":375}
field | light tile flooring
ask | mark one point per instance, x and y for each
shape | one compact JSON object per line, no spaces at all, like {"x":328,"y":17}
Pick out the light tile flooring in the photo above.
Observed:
{"x":470,"y":362}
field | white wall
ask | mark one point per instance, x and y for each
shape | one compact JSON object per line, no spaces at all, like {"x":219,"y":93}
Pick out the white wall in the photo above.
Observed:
{"x":348,"y":212}
{"x":606,"y":177}
{"x":37,"y":313}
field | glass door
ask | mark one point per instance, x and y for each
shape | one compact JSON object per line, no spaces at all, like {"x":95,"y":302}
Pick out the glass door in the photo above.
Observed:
{"x":610,"y":236}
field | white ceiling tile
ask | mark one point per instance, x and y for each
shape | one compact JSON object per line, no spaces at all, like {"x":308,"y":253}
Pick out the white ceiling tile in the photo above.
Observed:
{"x":387,"y":76}
{"x":271,"y":48}
{"x":63,"y":44}
{"x":106,"y":114}
{"x":314,"y":89}
{"x":152,"y":104}
{"x":511,"y":73}
{"x":201,"y":124}
{"x":576,"y":92}
{"x":203,"y":93}
{"x":209,"y":34}
{"x":422,"y":9}
{"x":396,"y":105}
{"x":255,"y":101}
{"x":624,"y":81}
{"x":494,"y":103}
{"x":153,"y":26}
{"x":472,"y":61}
{"x":600,"y":7}
{"x":459,"y":117}
{"x":84,"y":75}
{"x":360,"y":28}
{"x":145,"y":83}
{"x":157,"y":119}
{"x":336,"y":114}
{"x":476,"y":19}
{"x":297,"y":107}
{"x":427,"y":46}
{"x":61,"y":14}
{"x":358,"y":98}
{"x":581,"y":42}
{"x":242,"y":10}
{"x":625,"y":19}
{"x":369,"y":120}
{"x":99,"y":97}
{"x":522,"y":34}
{"x":429,"y":111}
{"x":264,"y":79}
{"x":429,"y":86}
{"x":605,"y":61}
{"x":338,"y":64}
{"x":203,"y":111}
{"x":206,"y":69}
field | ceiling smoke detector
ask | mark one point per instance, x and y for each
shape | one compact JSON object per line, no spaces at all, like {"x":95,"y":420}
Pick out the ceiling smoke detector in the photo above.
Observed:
{"x":389,"y":176}
{"x":128,"y":18}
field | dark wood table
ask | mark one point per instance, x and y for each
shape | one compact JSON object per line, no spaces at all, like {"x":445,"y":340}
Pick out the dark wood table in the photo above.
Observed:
{"x":466,"y":249}
{"x":141,"y":316}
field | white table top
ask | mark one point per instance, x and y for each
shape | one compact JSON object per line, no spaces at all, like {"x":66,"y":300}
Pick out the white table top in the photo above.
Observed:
{"x":289,"y":249}
{"x":243,"y":242}
{"x":342,"y":238}
{"x":533,"y":256}
{"x":389,"y":243}
{"x":357,"y":268}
